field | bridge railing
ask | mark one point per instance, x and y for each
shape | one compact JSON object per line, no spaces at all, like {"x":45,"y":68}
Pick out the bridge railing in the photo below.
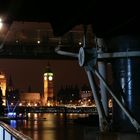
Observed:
{"x":8,"y":133}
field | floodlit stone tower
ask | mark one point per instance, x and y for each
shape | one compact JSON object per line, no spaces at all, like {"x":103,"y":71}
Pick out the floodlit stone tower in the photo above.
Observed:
{"x":48,"y":87}
{"x":3,"y":87}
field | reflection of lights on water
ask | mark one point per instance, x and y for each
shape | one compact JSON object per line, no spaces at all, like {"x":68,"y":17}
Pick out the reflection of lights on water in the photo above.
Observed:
{"x":29,"y":114}
{"x":13,"y":123}
{"x":25,"y":123}
{"x":35,"y":115}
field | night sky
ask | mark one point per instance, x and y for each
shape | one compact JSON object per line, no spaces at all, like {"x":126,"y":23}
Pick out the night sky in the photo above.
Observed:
{"x":29,"y":72}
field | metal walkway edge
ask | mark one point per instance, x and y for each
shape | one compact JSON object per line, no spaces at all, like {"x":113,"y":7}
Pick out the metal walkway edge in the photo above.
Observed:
{"x":8,"y":133}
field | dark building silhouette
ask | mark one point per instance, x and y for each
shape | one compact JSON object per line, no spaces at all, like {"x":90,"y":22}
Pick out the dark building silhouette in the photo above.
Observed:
{"x":12,"y":94}
{"x":68,"y":94}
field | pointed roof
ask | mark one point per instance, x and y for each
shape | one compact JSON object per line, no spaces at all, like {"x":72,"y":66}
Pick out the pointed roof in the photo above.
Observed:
{"x":48,"y":68}
{"x":10,"y":84}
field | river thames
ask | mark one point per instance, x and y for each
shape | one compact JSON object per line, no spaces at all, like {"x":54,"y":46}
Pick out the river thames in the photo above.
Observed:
{"x":52,"y":126}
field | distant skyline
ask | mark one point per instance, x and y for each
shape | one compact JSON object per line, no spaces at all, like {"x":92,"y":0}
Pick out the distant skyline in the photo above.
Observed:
{"x":27,"y":73}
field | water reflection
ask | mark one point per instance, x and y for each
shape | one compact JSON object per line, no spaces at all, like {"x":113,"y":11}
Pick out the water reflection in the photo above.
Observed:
{"x":13,"y":123}
{"x":49,"y":126}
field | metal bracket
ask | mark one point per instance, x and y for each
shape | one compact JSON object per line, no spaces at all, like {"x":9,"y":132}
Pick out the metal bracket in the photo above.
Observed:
{"x":87,"y":58}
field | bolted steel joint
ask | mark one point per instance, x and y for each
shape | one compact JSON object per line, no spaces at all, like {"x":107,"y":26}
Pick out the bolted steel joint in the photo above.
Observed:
{"x":87,"y":56}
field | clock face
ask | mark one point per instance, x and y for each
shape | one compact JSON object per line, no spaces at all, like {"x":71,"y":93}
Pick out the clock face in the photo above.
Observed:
{"x":45,"y":78}
{"x":50,"y":78}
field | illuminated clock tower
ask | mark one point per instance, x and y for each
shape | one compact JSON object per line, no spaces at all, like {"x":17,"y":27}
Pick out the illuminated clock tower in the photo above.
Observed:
{"x":3,"y":87}
{"x":48,"y":95}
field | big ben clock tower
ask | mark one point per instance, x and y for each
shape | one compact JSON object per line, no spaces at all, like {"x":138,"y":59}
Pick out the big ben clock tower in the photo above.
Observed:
{"x":48,"y":95}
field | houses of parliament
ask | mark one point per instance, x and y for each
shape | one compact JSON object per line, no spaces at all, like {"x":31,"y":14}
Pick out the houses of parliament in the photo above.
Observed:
{"x":12,"y":96}
{"x":67,"y":95}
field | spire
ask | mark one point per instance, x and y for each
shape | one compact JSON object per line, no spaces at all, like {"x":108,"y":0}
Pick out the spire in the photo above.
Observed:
{"x":48,"y":68}
{"x":10,"y":84}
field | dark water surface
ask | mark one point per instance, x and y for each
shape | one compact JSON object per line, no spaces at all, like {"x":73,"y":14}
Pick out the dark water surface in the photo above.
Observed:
{"x":49,"y":126}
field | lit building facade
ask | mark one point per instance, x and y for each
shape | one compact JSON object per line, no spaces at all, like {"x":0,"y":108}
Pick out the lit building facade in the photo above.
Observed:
{"x":86,"y":96}
{"x":3,"y":87}
{"x":48,"y":95}
{"x":29,"y":99}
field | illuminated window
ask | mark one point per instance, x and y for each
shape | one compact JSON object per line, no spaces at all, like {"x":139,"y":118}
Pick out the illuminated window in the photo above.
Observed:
{"x":20,"y":104}
{"x":38,"y":41}
{"x":45,"y":78}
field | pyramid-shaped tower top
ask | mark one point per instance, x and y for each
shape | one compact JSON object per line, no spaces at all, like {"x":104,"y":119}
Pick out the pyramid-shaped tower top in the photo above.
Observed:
{"x":48,"y":69}
{"x":10,"y":84}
